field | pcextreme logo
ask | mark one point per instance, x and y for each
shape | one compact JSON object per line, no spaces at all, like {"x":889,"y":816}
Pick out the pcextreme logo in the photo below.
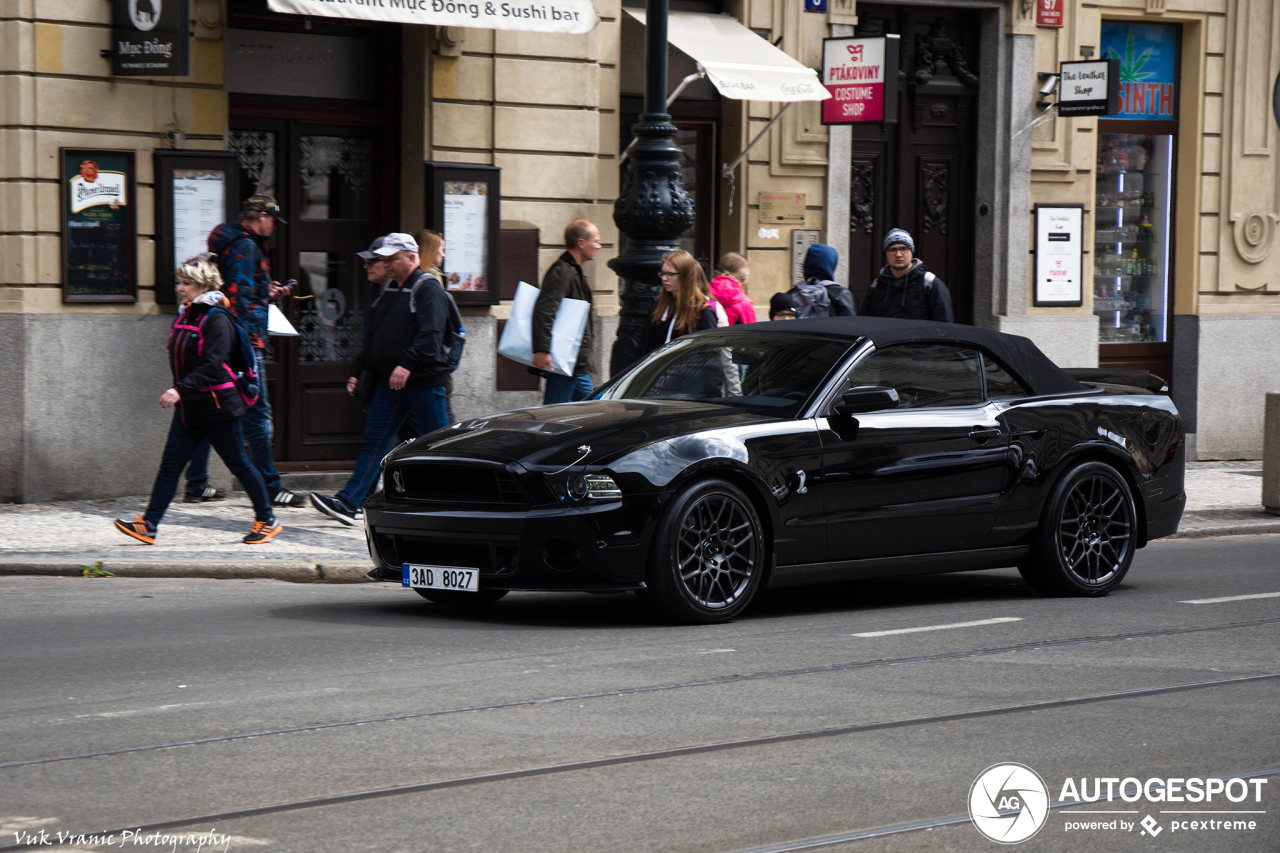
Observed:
{"x":1009,"y":803}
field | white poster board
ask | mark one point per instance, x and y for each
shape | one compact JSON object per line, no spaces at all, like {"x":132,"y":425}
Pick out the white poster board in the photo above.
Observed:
{"x":1059,"y":255}
{"x":199,"y":205}
{"x":466,"y":235}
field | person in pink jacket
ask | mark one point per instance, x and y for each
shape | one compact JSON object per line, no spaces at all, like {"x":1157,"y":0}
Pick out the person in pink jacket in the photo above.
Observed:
{"x":727,"y":286}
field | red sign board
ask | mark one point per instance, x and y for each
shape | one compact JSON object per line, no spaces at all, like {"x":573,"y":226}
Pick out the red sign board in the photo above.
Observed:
{"x":861,"y":74}
{"x":1049,"y":12}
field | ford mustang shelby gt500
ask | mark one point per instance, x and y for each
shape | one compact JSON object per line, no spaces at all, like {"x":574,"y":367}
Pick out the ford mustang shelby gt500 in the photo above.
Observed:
{"x":773,"y":454}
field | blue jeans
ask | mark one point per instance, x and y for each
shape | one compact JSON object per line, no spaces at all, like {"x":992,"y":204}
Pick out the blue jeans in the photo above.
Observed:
{"x":387,"y":412}
{"x":567,"y":389}
{"x":228,"y":440}
{"x":258,"y":433}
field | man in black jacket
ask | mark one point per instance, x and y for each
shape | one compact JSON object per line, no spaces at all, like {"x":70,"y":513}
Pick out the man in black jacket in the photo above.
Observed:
{"x":566,"y":280}
{"x":904,"y":288}
{"x":408,"y":355}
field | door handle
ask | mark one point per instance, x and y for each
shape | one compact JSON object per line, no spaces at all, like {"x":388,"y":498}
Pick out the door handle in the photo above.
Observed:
{"x":981,"y":434}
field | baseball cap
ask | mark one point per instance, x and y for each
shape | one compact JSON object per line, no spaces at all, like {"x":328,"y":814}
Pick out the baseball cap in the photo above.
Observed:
{"x":396,"y":241}
{"x":264,"y":204}
{"x":373,"y":247}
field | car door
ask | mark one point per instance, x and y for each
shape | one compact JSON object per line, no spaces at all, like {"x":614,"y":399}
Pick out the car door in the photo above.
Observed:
{"x":924,"y":477}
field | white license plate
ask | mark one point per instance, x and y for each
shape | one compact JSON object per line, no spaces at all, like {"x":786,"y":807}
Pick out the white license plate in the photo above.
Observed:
{"x":456,"y":578}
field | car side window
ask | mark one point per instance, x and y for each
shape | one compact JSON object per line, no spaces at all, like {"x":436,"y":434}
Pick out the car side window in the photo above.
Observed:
{"x":924,"y":375}
{"x":1000,"y":384}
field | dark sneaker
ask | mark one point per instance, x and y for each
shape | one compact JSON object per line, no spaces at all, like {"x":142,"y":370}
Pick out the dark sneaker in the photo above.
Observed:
{"x":286,"y":498}
{"x":261,"y":532}
{"x":335,"y":507}
{"x":209,"y":494}
{"x":138,"y":529}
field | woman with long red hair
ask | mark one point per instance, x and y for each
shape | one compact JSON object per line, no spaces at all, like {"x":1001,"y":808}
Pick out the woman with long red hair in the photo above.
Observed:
{"x":682,"y":305}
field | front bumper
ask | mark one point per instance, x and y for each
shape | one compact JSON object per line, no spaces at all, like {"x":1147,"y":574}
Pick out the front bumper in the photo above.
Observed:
{"x":589,"y":548}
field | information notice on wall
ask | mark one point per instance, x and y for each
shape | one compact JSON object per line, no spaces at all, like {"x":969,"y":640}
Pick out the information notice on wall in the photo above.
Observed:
{"x":199,"y":198}
{"x":466,"y":235}
{"x":1059,"y":247}
{"x":99,"y":216}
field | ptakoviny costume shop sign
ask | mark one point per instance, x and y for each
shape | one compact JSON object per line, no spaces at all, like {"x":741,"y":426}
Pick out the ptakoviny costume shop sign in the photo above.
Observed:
{"x":539,"y":16}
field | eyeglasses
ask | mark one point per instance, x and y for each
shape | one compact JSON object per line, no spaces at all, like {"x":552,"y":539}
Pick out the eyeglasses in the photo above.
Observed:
{"x":375,"y":261}
{"x":898,"y":250}
{"x":665,"y":274}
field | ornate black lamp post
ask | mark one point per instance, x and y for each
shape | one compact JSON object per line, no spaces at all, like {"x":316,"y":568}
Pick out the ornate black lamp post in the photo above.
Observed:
{"x":653,"y":209}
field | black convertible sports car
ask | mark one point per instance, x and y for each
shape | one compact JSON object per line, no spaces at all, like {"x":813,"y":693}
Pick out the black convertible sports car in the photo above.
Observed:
{"x":782,"y":453}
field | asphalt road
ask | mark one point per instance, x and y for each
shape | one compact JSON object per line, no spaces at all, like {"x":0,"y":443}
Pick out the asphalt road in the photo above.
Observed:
{"x":556,"y":722}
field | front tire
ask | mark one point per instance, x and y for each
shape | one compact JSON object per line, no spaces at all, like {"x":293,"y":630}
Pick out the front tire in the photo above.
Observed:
{"x":708,"y":556}
{"x":452,"y":598}
{"x":1088,"y":534}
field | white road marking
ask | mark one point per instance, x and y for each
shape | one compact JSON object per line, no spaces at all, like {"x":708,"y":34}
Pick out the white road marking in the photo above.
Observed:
{"x":974,"y":624}
{"x":158,"y":710}
{"x":1232,"y":598}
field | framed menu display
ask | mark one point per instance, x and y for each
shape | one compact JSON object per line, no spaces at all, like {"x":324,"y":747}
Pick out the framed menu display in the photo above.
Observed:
{"x":195,"y":192}
{"x":463,"y":205}
{"x":99,"y":214}
{"x":1059,"y":253}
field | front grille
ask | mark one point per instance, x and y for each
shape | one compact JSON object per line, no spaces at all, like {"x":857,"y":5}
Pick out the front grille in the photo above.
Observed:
{"x":489,"y":557}
{"x":447,"y":483}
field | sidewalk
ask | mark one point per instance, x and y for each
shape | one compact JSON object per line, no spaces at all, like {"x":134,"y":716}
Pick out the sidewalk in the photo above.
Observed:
{"x":203,"y":540}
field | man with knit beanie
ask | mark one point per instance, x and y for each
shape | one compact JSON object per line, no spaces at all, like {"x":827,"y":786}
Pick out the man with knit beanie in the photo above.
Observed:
{"x":904,"y":288}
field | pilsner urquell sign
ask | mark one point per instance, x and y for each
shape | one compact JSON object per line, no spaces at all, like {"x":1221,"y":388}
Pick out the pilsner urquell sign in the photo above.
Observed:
{"x":862,"y":75}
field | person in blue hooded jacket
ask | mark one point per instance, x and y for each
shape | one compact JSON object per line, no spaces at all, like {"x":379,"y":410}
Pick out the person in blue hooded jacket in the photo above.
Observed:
{"x":819,"y":295}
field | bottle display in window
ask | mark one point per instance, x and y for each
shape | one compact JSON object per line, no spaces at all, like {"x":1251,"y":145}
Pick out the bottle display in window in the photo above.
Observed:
{"x":1131,"y":237}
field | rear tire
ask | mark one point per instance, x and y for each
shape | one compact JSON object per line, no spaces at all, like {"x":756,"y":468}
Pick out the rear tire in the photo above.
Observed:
{"x":452,"y":598}
{"x":1088,"y":534}
{"x":708,"y":555}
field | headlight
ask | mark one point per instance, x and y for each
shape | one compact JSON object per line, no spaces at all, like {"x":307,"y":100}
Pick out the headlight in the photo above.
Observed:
{"x":595,"y":487}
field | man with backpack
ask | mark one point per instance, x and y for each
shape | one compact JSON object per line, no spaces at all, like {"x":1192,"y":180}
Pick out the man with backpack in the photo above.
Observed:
{"x":408,"y":356}
{"x":241,"y":248}
{"x":904,"y":288}
{"x":819,"y":295}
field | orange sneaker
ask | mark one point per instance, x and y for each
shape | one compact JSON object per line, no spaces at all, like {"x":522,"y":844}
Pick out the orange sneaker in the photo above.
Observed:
{"x":261,"y":532}
{"x":138,"y":529}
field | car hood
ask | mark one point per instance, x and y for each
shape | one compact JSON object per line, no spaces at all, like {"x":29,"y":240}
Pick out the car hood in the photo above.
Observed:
{"x":556,"y":435}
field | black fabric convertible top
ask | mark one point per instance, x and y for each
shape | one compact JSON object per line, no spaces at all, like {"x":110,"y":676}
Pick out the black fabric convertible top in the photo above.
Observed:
{"x":1022,"y":357}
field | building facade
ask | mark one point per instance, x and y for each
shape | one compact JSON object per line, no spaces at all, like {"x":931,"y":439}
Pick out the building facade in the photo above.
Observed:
{"x":346,"y":121}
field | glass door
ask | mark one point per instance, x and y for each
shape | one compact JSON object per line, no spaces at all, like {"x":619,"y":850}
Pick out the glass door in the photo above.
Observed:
{"x":1131,"y":238}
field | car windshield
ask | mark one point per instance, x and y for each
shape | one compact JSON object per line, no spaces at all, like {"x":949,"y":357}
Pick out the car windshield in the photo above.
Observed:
{"x":768,"y":373}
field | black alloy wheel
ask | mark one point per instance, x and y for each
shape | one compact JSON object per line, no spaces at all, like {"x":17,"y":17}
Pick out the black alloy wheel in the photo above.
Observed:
{"x":453,"y":598}
{"x":1088,"y":535}
{"x":708,"y":557}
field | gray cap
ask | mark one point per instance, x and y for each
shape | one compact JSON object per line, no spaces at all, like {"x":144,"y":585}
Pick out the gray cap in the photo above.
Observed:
{"x":396,"y":241}
{"x":376,"y":244}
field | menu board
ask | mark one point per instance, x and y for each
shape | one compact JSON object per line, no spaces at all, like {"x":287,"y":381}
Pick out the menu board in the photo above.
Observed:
{"x":99,"y":211}
{"x":1059,"y":232}
{"x":466,"y":235}
{"x":199,"y":200}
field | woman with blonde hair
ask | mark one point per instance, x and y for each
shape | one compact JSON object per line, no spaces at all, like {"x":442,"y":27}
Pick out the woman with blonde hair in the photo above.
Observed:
{"x":682,"y":305}
{"x":209,"y":401}
{"x":727,"y":288}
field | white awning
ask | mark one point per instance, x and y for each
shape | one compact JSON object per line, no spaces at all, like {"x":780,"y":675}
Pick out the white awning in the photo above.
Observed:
{"x":738,"y":62}
{"x":540,"y":16}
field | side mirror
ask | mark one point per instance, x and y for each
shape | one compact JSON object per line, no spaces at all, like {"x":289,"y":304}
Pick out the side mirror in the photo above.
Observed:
{"x":866,"y":398}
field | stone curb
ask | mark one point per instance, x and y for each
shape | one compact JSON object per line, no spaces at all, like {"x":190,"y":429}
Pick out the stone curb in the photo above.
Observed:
{"x":294,"y":571}
{"x":1227,"y":530}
